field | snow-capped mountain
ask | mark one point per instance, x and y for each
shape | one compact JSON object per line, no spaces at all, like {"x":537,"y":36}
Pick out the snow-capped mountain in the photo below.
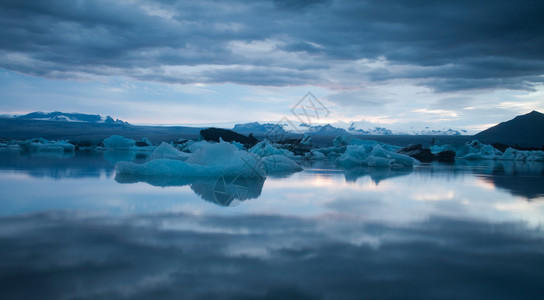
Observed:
{"x":257,"y":128}
{"x":69,"y":117}
{"x":323,"y":130}
{"x":428,"y":131}
{"x":376,"y":131}
{"x":328,"y":129}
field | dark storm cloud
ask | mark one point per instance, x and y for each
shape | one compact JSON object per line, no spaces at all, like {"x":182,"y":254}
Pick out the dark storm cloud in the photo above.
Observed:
{"x":173,"y":256}
{"x":452,"y":44}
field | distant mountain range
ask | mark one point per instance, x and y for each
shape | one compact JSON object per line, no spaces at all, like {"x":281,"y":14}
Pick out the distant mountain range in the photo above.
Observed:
{"x":329,"y":130}
{"x":257,"y":128}
{"x":428,"y":131}
{"x":323,"y":130}
{"x":376,"y":131}
{"x":69,"y":117}
{"x":85,"y":127}
{"x":524,"y":131}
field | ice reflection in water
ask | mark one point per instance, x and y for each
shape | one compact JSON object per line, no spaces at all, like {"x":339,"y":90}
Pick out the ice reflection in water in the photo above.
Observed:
{"x":70,"y":230}
{"x":223,"y":190}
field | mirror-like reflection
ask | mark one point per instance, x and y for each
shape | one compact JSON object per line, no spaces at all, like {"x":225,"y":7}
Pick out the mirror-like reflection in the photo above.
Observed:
{"x":56,"y":164}
{"x":228,"y":190}
{"x":223,"y":190}
{"x":192,"y":256}
{"x":517,"y":177}
{"x":520,"y":178}
{"x":69,"y":229}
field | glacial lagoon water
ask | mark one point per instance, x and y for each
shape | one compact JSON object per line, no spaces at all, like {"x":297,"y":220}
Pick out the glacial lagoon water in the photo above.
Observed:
{"x":70,"y":228}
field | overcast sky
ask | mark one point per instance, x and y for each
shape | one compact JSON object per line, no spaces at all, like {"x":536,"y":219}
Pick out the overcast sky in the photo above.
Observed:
{"x":399,"y":64}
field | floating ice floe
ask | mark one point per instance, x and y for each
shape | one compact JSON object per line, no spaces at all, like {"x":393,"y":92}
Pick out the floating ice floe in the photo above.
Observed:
{"x":280,"y":163}
{"x":221,"y":159}
{"x":240,"y":146}
{"x":118,"y":142}
{"x":475,"y":150}
{"x":331,"y":152}
{"x":513,"y":154}
{"x":315,"y":155}
{"x":266,"y":148}
{"x":211,"y":159}
{"x":193,"y":146}
{"x":165,"y":150}
{"x":345,"y":140}
{"x":374,"y":156}
{"x":43,"y":145}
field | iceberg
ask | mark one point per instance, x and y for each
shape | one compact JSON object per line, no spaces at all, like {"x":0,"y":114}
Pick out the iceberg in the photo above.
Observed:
{"x":43,"y":145}
{"x":345,"y":140}
{"x":165,"y":150}
{"x":210,"y":160}
{"x":265,"y":148}
{"x":217,"y":159}
{"x":192,"y":146}
{"x":315,"y":155}
{"x":374,"y":156}
{"x":484,"y":152}
{"x":118,"y":142}
{"x":280,"y":164}
{"x":523,"y":155}
{"x":475,"y":150}
{"x":332,"y":152}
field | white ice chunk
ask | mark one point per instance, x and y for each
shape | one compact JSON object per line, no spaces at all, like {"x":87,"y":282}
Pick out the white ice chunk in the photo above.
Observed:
{"x":315,"y":155}
{"x":193,"y":146}
{"x":523,"y":155}
{"x":118,"y":142}
{"x":475,"y":150}
{"x":485,"y":152}
{"x":346,"y":140}
{"x":376,"y":161}
{"x":280,"y":163}
{"x":265,"y":148}
{"x":165,"y":150}
{"x":218,"y":159}
{"x":374,"y":156}
{"x":43,"y":145}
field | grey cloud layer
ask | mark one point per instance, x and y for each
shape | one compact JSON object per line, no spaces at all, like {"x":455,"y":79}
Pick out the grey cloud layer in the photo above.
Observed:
{"x":446,"y":45}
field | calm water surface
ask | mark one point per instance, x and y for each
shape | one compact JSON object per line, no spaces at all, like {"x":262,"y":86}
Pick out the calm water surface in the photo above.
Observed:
{"x":71,"y":229}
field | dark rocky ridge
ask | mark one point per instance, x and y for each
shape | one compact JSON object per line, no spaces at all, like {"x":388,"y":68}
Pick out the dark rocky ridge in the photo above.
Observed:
{"x":522,"y":131}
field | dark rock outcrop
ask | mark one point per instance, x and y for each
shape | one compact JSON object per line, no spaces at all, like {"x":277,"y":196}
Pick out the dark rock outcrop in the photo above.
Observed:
{"x":418,"y":152}
{"x":445,"y":156}
{"x":425,"y":155}
{"x":214,"y":134}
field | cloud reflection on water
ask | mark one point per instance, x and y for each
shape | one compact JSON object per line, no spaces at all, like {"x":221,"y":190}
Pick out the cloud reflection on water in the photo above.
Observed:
{"x":188,"y":256}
